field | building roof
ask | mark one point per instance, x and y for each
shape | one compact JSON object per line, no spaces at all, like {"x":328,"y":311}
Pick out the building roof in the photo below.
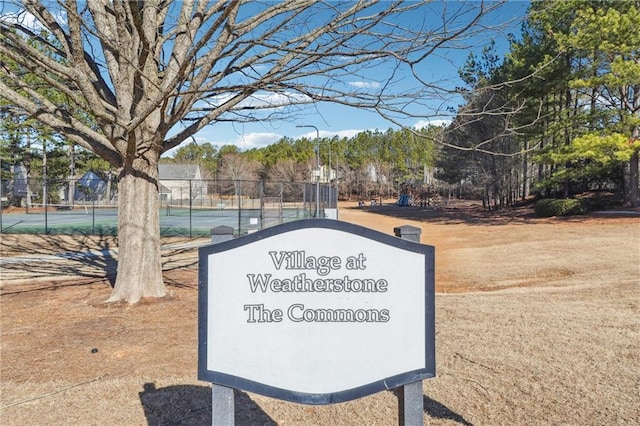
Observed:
{"x":178,"y":171}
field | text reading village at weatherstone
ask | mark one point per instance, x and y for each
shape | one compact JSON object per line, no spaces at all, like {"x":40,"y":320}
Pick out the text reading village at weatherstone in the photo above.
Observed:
{"x":298,"y":260}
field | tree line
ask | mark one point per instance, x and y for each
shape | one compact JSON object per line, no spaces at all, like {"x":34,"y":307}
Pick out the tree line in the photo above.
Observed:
{"x":372,"y":163}
{"x":559,"y":114}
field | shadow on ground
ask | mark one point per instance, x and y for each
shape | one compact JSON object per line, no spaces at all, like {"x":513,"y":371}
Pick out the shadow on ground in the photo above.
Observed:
{"x":191,"y":405}
{"x":437,"y":410}
{"x":472,"y":213}
{"x":459,"y":212}
{"x":56,"y":255}
{"x":28,"y":258}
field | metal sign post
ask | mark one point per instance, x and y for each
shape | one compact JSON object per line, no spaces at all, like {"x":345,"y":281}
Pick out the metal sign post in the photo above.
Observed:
{"x":222,"y":406}
{"x":410,"y":398}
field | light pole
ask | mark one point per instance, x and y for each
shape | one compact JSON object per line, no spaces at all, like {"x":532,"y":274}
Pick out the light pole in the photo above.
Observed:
{"x":328,"y":175}
{"x":317,"y":164}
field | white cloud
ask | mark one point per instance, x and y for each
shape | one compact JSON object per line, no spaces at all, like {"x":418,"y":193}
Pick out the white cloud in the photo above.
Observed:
{"x":421,"y":124}
{"x":256,"y":140}
{"x":27,"y":20}
{"x":244,"y":142}
{"x":348,"y":133}
{"x":365,"y":84}
{"x":263,"y":100}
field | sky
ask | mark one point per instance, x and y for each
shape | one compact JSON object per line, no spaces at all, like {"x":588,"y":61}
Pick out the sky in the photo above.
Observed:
{"x":338,"y":120}
{"x":333,"y":119}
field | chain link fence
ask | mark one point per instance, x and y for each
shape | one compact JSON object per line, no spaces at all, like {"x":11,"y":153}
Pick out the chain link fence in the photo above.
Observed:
{"x":186,"y":206}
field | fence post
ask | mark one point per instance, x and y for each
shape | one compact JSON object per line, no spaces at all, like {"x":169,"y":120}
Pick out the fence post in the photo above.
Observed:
{"x":239,"y":207}
{"x":410,"y":398}
{"x":261,"y":195}
{"x":281,"y":206}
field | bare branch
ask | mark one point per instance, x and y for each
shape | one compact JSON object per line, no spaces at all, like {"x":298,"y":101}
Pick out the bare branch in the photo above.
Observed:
{"x":157,"y":65}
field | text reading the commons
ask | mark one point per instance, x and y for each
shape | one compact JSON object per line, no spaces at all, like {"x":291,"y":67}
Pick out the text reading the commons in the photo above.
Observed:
{"x":299,"y":313}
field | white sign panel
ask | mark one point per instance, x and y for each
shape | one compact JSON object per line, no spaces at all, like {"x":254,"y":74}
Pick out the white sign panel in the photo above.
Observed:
{"x":316,"y":311}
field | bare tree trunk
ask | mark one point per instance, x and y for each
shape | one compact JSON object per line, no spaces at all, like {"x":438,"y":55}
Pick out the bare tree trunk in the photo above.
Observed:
{"x":634,"y":175}
{"x":634,"y":198}
{"x":139,"y":262}
{"x":526,"y":174}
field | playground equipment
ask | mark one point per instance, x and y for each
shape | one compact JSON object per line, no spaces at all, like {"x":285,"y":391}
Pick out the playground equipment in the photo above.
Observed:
{"x":423,"y":197}
{"x":404,"y":200}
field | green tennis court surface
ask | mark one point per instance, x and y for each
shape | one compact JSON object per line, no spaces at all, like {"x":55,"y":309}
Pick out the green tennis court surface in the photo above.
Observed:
{"x":173,"y":221}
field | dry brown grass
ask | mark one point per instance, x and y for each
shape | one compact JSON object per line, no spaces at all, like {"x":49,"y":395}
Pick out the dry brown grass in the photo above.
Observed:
{"x":538,"y":322}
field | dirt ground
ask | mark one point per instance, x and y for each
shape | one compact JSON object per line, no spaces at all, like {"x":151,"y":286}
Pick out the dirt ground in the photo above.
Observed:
{"x":538,"y":323}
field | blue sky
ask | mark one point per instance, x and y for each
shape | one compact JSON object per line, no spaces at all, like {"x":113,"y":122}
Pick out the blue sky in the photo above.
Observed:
{"x":333,"y":119}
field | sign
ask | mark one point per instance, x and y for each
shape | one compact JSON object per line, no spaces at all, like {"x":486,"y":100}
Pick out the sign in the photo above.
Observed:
{"x":316,"y":311}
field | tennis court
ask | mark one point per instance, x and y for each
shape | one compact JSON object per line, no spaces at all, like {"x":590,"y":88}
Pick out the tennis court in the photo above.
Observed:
{"x":174,"y":221}
{"x":187,"y":207}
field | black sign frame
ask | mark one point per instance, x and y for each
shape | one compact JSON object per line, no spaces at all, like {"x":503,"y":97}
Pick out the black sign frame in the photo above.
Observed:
{"x":220,"y":378}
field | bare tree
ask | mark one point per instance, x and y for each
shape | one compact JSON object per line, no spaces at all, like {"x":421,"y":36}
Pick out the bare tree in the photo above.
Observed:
{"x":287,"y":170}
{"x":150,"y":74}
{"x":236,"y":169}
